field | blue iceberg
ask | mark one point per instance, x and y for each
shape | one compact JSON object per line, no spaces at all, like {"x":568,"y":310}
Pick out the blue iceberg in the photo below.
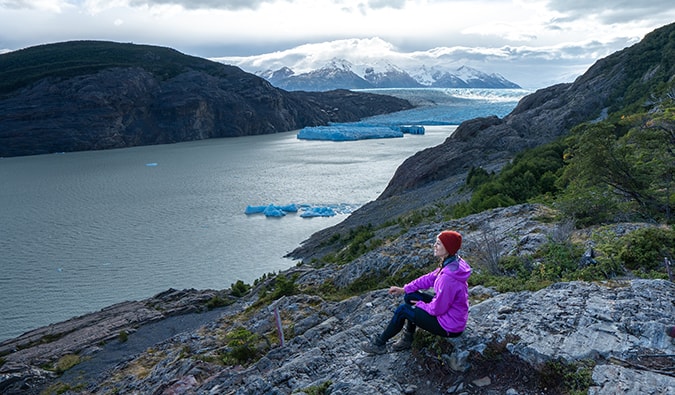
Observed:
{"x":307,"y":210}
{"x":271,"y":210}
{"x":318,"y":212}
{"x":348,"y":132}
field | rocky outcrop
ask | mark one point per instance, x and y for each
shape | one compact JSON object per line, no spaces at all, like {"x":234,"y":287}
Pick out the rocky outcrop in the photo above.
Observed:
{"x":615,"y":329}
{"x":130,"y":105}
{"x":619,"y":326}
{"x":24,"y":356}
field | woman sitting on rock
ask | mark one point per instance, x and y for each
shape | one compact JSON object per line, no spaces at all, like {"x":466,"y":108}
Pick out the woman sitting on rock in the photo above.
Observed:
{"x":445,"y":313}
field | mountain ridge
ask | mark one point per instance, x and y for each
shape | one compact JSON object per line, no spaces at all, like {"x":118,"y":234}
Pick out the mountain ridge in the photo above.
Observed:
{"x":375,"y":51}
{"x":342,"y":74}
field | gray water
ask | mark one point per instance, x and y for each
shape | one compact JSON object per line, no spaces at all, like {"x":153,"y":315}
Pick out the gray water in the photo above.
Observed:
{"x":82,"y":231}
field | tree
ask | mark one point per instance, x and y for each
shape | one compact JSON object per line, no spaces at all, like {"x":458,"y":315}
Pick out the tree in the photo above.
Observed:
{"x":632,"y":158}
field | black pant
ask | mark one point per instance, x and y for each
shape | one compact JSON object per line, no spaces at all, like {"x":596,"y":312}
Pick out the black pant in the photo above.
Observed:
{"x":415,"y":317}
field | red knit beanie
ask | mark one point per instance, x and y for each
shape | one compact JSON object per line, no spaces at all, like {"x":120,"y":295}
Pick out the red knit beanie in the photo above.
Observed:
{"x":451,"y":240}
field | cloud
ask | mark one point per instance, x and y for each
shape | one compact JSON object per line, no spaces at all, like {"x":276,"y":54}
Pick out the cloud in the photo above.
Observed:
{"x":41,"y":5}
{"x":232,"y":5}
{"x":395,"y":4}
{"x":609,"y":11}
{"x":528,"y":66}
{"x":481,"y":31}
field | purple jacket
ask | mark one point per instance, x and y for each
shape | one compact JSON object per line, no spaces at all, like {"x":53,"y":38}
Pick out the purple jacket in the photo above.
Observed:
{"x":450,"y":305}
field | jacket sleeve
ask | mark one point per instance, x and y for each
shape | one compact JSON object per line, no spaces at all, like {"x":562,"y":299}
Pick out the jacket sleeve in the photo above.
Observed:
{"x":440,"y":304}
{"x":424,"y":282}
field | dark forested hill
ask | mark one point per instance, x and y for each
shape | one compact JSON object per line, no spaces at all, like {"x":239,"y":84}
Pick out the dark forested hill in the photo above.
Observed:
{"x":88,"y":95}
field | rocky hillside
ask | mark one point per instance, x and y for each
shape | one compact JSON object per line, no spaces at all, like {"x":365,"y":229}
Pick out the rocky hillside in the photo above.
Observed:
{"x":438,"y":174}
{"x":608,"y":337}
{"x":90,"y":95}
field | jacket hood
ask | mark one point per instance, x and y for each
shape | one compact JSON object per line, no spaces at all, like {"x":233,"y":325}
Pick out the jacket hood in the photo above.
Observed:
{"x":459,"y":270}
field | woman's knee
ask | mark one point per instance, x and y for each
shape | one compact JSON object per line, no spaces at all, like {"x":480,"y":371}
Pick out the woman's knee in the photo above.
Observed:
{"x":405,"y":310}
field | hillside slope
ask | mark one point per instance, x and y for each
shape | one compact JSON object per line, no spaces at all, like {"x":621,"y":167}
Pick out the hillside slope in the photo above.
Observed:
{"x":91,"y":95}
{"x":437,"y":174}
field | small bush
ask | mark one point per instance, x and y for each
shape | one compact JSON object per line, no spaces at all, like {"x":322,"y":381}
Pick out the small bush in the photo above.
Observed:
{"x":574,"y":378}
{"x":240,"y":289}
{"x":216,"y":302}
{"x":244,"y":347}
{"x":645,"y":249}
{"x":66,"y":362}
{"x":320,"y":389}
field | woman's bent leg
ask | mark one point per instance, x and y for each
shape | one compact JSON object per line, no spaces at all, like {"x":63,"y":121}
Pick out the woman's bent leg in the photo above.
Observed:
{"x":403,"y":312}
{"x":430,"y":324}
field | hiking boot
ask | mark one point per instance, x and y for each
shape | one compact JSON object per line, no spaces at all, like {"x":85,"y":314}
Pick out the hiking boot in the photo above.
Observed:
{"x":405,"y":342}
{"x":374,"y":347}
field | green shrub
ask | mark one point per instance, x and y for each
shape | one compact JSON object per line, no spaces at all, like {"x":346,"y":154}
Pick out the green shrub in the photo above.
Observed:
{"x":645,"y":249}
{"x":240,"y":289}
{"x":66,"y":362}
{"x":244,"y":347}
{"x":320,"y":389}
{"x":572,"y":378}
{"x":351,"y":246}
{"x":284,"y":286}
{"x":217,"y":301}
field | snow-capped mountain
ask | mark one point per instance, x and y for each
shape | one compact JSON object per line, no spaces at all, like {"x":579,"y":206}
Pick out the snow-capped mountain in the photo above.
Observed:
{"x":341,"y":74}
{"x":366,"y":63}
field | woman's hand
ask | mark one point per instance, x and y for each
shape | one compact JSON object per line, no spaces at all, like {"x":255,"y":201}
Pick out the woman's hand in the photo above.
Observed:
{"x":396,"y":290}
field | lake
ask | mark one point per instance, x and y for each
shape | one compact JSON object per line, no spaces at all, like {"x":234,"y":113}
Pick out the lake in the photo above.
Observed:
{"x":82,"y":231}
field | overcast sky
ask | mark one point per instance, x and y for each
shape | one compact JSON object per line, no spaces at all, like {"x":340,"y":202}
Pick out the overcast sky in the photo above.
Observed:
{"x":575,"y":32}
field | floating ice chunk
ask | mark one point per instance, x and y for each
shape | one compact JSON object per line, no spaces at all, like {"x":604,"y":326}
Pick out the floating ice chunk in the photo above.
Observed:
{"x":318,"y":212}
{"x":271,"y":210}
{"x":347,"y":132}
{"x":254,"y":209}
{"x":289,"y":208}
{"x":307,"y":210}
{"x":152,"y":164}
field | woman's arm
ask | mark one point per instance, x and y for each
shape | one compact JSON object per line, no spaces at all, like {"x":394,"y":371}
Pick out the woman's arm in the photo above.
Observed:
{"x":424,"y":282}
{"x":393,"y":290}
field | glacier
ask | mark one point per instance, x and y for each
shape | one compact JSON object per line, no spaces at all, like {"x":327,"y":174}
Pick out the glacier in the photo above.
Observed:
{"x":434,"y":107}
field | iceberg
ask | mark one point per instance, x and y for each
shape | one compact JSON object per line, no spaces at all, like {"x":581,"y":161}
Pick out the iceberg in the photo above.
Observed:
{"x":254,"y":209}
{"x":307,"y":210}
{"x":348,"y":132}
{"x":318,"y":212}
{"x":271,"y":210}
